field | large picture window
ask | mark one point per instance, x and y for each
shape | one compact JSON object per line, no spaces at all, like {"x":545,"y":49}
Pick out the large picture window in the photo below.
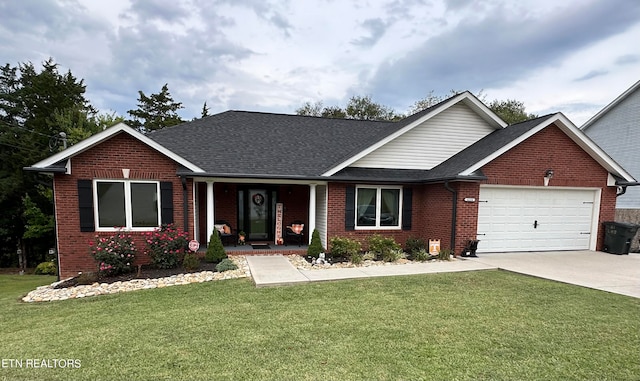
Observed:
{"x":127,"y":204}
{"x":378,"y":207}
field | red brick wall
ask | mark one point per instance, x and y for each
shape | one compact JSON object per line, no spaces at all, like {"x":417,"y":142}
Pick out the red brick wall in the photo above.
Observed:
{"x":295,"y":200}
{"x":106,"y":161}
{"x":524,"y":165}
{"x":572,"y":167}
{"x":336,"y":218}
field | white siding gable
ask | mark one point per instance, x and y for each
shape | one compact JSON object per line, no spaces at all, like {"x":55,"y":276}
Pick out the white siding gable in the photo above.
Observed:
{"x":618,"y":133}
{"x":430,"y":143}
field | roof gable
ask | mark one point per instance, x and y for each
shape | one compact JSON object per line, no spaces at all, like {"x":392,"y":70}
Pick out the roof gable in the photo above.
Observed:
{"x":418,"y":120}
{"x":431,"y":142}
{"x":51,"y":164}
{"x":525,"y":130}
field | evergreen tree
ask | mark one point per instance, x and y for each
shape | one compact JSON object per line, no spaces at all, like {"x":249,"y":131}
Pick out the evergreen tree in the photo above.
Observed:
{"x":155,"y":111}
{"x":205,"y":110}
{"x":29,"y":101}
{"x":315,"y":247}
{"x":215,"y":249}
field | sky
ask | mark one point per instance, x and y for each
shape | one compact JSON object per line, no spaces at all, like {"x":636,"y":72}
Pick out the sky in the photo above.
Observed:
{"x":570,"y":56}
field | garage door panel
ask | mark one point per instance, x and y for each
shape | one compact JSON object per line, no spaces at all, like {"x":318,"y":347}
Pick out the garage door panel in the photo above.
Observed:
{"x":526,"y":219}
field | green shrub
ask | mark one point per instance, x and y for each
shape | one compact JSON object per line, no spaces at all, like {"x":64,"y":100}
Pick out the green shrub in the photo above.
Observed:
{"x":191,"y":262}
{"x":392,"y":255}
{"x":444,"y":254}
{"x":215,"y":249}
{"x":385,"y":248}
{"x":166,"y":246}
{"x":315,"y":247}
{"x":226,"y":265}
{"x":421,"y":255}
{"x":414,"y":245}
{"x":115,"y":254}
{"x":356,"y":258}
{"x":46,"y":268}
{"x":344,"y":247}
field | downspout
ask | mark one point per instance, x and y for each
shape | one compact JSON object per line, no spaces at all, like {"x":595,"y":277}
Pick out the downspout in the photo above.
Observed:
{"x":454,"y":214}
{"x":185,"y":204}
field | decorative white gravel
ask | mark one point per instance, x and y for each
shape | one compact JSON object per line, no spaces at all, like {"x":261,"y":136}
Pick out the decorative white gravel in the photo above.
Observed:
{"x":49,"y":293}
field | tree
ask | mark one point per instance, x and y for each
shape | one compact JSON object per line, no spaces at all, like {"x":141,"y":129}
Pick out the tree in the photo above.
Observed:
{"x":358,"y":107}
{"x":432,"y":99}
{"x":29,"y":102}
{"x":155,"y":111}
{"x":78,"y":125}
{"x":364,"y":108}
{"x":511,"y":111}
{"x":205,"y":110}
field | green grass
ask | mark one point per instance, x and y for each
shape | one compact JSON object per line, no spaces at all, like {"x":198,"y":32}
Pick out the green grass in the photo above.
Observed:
{"x":489,"y":325}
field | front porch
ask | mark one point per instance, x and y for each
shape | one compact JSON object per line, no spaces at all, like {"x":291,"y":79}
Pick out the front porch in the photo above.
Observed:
{"x":262,"y":210}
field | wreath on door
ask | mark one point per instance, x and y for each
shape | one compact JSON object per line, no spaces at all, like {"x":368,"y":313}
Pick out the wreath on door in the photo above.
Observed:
{"x":258,"y":199}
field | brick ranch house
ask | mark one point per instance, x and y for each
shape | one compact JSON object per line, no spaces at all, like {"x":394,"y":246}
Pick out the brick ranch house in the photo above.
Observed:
{"x":453,"y":172}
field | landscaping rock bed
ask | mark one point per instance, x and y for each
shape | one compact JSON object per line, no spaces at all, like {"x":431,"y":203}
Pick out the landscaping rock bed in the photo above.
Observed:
{"x":116,"y":285}
{"x":303,"y":264}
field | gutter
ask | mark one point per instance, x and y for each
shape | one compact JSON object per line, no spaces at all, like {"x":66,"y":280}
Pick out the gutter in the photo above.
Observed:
{"x":454,"y":214}
{"x":258,"y":177}
{"x":623,"y":186}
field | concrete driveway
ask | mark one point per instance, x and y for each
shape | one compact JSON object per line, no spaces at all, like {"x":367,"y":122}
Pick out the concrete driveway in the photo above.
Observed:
{"x":619,"y":274}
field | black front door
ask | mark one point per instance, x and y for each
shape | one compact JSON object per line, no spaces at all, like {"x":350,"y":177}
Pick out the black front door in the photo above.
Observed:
{"x":256,"y":213}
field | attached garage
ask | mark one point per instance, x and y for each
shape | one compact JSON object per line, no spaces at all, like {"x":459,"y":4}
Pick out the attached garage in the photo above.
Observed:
{"x":514,"y":218}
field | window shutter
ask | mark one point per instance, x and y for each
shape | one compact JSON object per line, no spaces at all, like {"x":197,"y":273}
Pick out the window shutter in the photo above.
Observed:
{"x":85,"y":205}
{"x":407,"y":207}
{"x":350,"y":208}
{"x":166,"y":202}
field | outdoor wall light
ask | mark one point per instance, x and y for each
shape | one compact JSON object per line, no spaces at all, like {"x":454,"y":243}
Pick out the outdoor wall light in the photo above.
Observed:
{"x":548,"y":174}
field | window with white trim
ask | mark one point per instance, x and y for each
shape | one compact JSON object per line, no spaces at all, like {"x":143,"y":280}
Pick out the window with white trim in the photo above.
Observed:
{"x":378,"y":207}
{"x":127,"y":204}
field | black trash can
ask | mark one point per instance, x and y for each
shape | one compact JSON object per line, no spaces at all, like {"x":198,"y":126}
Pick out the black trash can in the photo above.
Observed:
{"x":618,"y":236}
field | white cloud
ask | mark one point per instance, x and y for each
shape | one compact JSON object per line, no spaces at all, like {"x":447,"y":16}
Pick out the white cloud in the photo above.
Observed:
{"x":273,"y":55}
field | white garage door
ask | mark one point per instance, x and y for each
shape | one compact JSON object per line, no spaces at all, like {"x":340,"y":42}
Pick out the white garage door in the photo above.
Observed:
{"x":536,"y":219}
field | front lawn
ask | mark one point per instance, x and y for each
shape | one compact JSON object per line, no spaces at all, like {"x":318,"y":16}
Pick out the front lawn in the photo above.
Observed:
{"x":488,"y":325}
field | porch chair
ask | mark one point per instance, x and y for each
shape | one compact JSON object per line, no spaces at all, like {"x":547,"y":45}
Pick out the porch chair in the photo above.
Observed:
{"x":294,"y":232}
{"x":226,"y":232}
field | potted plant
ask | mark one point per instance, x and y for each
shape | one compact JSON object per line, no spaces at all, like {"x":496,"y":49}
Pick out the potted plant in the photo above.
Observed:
{"x":241,"y":237}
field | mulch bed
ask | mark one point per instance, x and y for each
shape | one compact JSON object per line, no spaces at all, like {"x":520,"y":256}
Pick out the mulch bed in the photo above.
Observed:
{"x":146,"y":272}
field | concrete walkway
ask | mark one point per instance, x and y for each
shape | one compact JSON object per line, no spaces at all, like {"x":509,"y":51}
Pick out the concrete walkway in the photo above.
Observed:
{"x":274,"y":270}
{"x":613,"y":273}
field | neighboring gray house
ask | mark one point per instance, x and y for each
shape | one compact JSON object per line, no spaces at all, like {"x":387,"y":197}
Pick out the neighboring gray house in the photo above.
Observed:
{"x":616,"y":129}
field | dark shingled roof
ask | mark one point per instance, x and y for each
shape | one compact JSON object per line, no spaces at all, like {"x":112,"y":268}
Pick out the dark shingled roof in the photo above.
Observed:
{"x":255,"y":144}
{"x":263,"y":144}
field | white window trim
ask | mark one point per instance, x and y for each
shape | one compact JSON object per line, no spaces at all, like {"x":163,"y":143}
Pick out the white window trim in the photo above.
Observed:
{"x":127,"y":205}
{"x":379,"y":189}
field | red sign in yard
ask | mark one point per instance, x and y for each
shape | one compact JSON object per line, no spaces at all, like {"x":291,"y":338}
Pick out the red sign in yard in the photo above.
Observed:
{"x":194,"y":245}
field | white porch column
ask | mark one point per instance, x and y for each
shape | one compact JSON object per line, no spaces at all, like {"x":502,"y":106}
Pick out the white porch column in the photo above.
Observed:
{"x":210,"y":210}
{"x":312,"y":209}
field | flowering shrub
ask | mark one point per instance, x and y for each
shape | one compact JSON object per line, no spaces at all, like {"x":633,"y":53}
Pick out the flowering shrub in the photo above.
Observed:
{"x":166,"y":246}
{"x":114,"y":254}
